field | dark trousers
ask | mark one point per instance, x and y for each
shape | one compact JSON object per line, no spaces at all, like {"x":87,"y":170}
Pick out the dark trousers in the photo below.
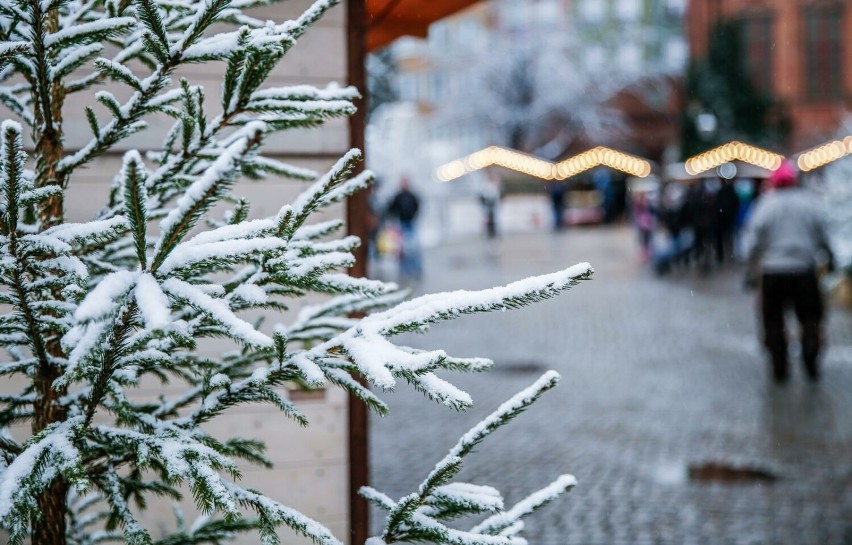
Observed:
{"x":801,"y":292}
{"x":724,"y":243}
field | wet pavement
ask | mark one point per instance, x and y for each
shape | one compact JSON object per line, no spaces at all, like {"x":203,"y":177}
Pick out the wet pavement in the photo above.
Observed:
{"x":665,"y":414}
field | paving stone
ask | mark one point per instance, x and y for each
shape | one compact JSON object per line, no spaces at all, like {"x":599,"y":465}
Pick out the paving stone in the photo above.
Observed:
{"x":658,"y":374}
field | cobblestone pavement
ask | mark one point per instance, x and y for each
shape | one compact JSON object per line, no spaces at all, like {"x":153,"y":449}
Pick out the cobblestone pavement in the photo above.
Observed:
{"x":659,"y":374}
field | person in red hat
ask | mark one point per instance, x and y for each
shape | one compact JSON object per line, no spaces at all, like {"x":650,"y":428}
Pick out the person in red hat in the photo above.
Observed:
{"x":786,"y":240}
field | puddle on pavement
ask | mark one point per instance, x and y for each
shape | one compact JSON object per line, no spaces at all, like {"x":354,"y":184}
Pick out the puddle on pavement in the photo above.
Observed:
{"x":520,"y":367}
{"x":676,"y":473}
{"x":727,"y":473}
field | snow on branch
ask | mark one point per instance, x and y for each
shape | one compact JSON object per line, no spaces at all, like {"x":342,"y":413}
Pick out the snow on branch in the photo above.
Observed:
{"x":8,"y":49}
{"x":424,"y":515}
{"x":198,"y":198}
{"x":381,"y":362}
{"x":272,"y":514}
{"x":47,"y":456}
{"x":503,"y":415}
{"x":86,"y":33}
{"x":151,"y":287}
{"x":500,"y":522}
{"x":428,"y":309}
{"x":313,"y":197}
{"x":217,"y":310}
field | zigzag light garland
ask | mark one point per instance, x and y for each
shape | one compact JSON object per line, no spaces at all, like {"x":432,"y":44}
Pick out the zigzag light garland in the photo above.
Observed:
{"x":602,"y":156}
{"x":547,"y":170}
{"x":542,"y":168}
{"x":824,"y":154}
{"x":733,"y":151}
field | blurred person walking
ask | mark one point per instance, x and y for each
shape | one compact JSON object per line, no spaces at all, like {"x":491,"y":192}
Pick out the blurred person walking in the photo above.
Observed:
{"x":489,"y":197}
{"x":672,"y":215}
{"x":405,"y":206}
{"x":701,"y":211}
{"x":746,"y":195}
{"x":643,"y":219}
{"x":785,"y":241}
{"x":727,"y":208}
{"x":556,"y":192}
{"x":603,"y":182}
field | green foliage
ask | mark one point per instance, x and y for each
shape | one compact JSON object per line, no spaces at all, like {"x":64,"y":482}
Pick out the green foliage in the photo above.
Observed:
{"x":93,"y":310}
{"x":721,"y":85}
{"x":425,"y":516}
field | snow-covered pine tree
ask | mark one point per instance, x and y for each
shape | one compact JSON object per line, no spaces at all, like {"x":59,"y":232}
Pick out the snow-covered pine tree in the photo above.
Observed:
{"x":91,"y":309}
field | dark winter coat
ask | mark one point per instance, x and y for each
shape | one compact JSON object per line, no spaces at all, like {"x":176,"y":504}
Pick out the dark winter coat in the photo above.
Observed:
{"x":727,"y":206}
{"x":404,"y":206}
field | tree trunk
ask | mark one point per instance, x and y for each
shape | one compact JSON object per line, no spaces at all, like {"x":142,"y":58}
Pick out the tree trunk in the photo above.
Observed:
{"x":50,"y":528}
{"x":52,"y":503}
{"x":48,"y":98}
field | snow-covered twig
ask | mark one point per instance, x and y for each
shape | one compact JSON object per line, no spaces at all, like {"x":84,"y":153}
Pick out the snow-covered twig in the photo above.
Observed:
{"x":424,"y":515}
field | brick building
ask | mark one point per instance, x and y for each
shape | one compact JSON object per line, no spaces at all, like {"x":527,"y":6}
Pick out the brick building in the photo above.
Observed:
{"x":799,"y":50}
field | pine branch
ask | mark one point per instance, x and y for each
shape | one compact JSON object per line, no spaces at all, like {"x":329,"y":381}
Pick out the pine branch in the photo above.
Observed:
{"x":108,"y":367}
{"x":134,"y":533}
{"x":48,"y":455}
{"x":88,"y":33}
{"x":156,"y":39}
{"x":100,"y":307}
{"x":206,"y":14}
{"x":500,"y":522}
{"x":41,"y":83}
{"x":9,"y":446}
{"x":169,"y":58}
{"x":202,"y":194}
{"x":12,"y":161}
{"x":313,"y":198}
{"x":133,"y":174}
{"x":419,"y":516}
{"x":17,"y":105}
{"x":410,"y":315}
{"x":272,"y":514}
{"x":362,"y":341}
{"x":126,"y":122}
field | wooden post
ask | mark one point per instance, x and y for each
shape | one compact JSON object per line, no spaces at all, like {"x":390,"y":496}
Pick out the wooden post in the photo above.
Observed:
{"x":357,"y":222}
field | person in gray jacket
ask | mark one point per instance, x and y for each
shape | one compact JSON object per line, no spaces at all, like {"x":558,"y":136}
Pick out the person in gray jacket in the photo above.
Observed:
{"x":786,"y":240}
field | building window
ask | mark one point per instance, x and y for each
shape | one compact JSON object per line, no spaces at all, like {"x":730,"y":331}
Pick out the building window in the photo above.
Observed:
{"x":759,"y":45}
{"x":549,"y":13}
{"x":592,"y":11}
{"x":407,"y":89}
{"x":629,"y":58}
{"x":595,"y":56}
{"x":629,"y":10}
{"x":439,"y":86}
{"x":439,"y":35}
{"x":675,"y":8}
{"x":823,"y":66}
{"x":676,"y":54}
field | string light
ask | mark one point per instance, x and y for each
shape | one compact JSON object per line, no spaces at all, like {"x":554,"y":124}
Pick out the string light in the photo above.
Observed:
{"x":601,"y":156}
{"x":733,"y":151}
{"x":495,"y":155}
{"x":635,"y":166}
{"x":542,"y":168}
{"x":824,"y":154}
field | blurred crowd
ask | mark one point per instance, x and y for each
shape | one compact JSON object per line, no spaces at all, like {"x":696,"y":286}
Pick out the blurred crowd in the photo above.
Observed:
{"x":777,"y":227}
{"x":695,"y":224}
